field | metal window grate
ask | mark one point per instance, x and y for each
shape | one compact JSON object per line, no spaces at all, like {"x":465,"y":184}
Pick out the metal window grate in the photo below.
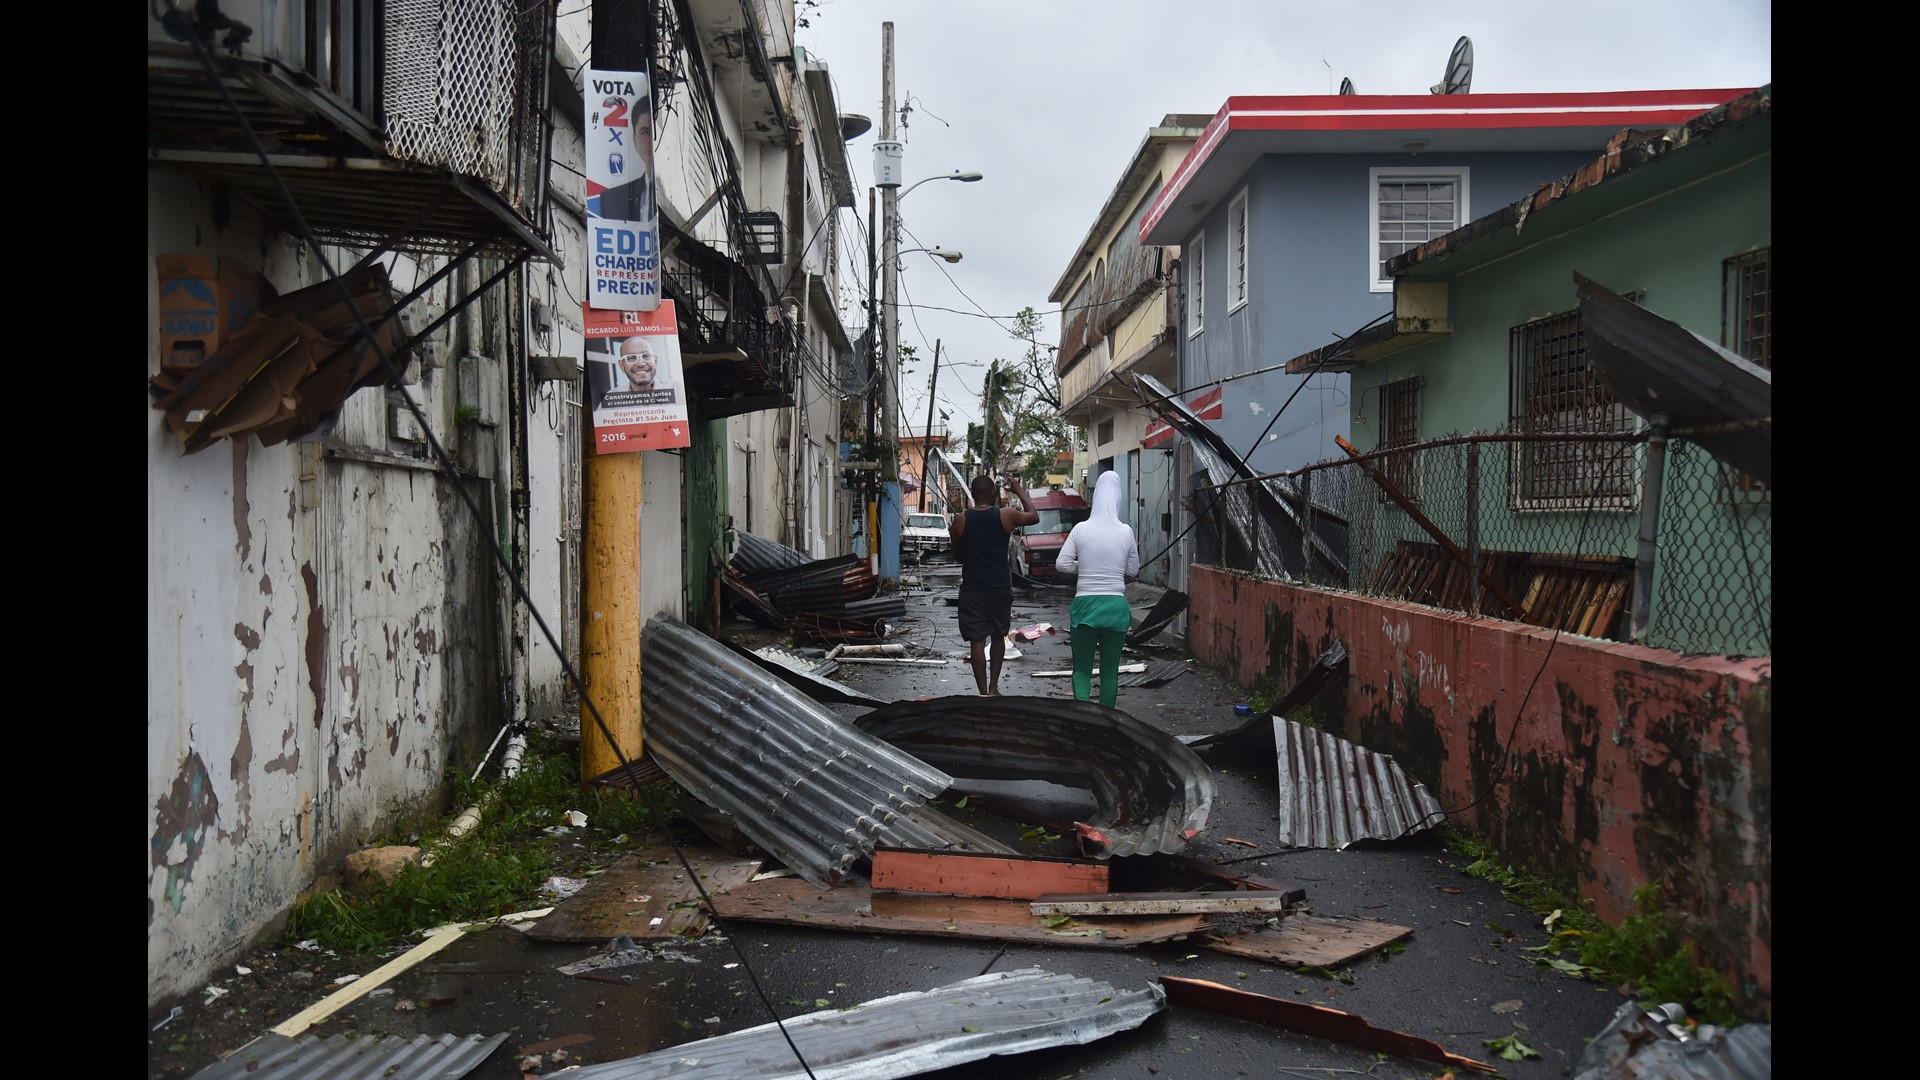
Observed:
{"x":1746,"y":327}
{"x":1400,"y":423}
{"x":1555,"y":390}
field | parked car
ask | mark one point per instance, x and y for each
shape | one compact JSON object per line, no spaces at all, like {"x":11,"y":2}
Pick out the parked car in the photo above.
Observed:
{"x":924,"y":535}
{"x":1036,"y":546}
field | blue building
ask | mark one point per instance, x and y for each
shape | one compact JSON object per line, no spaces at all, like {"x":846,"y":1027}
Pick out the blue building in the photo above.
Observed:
{"x":1287,"y":209}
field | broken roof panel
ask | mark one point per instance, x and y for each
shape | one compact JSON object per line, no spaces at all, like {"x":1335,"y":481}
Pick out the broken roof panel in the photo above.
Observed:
{"x":1151,"y":792}
{"x":907,"y":1034}
{"x":345,"y":1057}
{"x":754,"y":554}
{"x":1656,"y":366}
{"x":1333,"y":792}
{"x":810,"y":790}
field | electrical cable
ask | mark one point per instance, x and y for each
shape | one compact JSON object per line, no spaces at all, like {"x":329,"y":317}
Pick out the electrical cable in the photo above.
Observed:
{"x":162,"y":10}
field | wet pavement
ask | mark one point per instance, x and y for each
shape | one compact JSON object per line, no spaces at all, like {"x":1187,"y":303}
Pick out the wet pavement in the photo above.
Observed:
{"x":1460,"y":979}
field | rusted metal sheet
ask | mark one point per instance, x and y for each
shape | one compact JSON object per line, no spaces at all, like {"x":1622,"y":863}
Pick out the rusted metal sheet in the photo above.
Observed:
{"x":1655,"y":366}
{"x":810,"y":790}
{"x":907,"y":1034}
{"x":347,"y":1057}
{"x":857,"y":907}
{"x":959,"y":873}
{"x":1311,"y":1020}
{"x":1333,"y":792}
{"x":1152,"y":793}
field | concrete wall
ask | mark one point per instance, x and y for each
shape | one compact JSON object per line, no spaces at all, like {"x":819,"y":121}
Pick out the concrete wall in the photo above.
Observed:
{"x":1626,"y":764}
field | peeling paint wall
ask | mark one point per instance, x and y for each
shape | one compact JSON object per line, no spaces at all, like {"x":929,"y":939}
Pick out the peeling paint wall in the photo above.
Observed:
{"x":322,"y":638}
{"x":1627,"y":765}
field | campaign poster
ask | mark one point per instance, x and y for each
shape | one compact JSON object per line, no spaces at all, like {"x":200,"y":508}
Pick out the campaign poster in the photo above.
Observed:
{"x":636,"y":384}
{"x":623,"y":235}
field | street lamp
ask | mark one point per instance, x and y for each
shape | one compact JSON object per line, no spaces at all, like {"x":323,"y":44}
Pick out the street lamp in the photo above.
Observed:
{"x":964,"y":177}
{"x":938,"y":253}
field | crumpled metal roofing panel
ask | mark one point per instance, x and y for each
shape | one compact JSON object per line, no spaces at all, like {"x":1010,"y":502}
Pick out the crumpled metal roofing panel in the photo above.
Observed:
{"x":345,"y":1057}
{"x":755,"y":554}
{"x":907,"y":1034}
{"x":1152,"y":793}
{"x":813,"y":792}
{"x":1333,"y":792}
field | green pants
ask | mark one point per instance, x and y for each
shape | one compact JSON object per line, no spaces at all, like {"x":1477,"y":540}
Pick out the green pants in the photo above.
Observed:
{"x":1099,"y":624}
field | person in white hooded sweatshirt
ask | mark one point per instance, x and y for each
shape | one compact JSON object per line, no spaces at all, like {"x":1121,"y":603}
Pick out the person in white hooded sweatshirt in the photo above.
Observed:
{"x":1103,"y":552}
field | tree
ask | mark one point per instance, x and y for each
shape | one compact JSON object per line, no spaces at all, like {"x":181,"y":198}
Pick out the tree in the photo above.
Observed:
{"x":1021,"y":406}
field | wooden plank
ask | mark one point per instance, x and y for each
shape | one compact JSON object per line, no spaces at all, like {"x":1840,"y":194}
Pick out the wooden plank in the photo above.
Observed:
{"x":1313,"y":941}
{"x":645,"y":894}
{"x":1156,"y":903}
{"x":856,"y":907}
{"x":966,"y":873}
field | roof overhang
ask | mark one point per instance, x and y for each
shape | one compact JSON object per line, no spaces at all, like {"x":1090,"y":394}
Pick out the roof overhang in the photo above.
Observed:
{"x":1249,"y":128}
{"x":826,"y":113}
{"x":1139,"y":173}
{"x":828,"y":317}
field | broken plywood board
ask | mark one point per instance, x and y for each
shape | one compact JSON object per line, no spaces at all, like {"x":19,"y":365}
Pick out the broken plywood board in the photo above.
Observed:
{"x":1308,"y":1019}
{"x":1313,"y":941}
{"x":1163,"y":903}
{"x":857,"y":907}
{"x":964,"y":873}
{"x":645,"y":894}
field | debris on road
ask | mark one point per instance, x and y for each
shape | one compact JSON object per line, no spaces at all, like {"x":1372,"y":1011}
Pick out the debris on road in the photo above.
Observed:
{"x":448,"y":1057}
{"x":639,"y":888}
{"x":907,"y":1034}
{"x":1150,"y":792}
{"x":960,"y":873}
{"x":1167,"y":608}
{"x":815,"y":793}
{"x":1317,"y":1020}
{"x":1162,"y":903}
{"x":1659,"y":1044}
{"x":1331,"y":662}
{"x":1312,"y":941}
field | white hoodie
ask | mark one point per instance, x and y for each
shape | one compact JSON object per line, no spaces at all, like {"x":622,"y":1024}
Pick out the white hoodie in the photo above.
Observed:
{"x":1101,"y":549}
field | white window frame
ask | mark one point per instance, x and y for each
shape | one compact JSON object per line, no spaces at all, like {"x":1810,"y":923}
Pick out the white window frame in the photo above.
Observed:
{"x":1239,"y":252}
{"x":1463,"y":211}
{"x":1193,"y":257}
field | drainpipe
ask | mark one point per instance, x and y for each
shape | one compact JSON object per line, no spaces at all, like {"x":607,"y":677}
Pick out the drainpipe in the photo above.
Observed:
{"x":1643,"y":561}
{"x":469,"y":818}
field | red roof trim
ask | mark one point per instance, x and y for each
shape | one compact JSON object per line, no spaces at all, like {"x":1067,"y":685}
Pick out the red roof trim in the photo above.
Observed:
{"x":1435,"y":112}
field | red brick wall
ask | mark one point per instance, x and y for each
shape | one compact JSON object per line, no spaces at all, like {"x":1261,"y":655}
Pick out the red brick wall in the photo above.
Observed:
{"x":1627,"y":765}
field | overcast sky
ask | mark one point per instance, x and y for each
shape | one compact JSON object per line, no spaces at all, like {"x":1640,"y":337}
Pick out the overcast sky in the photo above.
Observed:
{"x":1051,"y":98}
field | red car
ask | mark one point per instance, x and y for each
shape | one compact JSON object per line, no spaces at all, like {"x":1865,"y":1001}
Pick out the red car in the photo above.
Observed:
{"x":1035,"y":547}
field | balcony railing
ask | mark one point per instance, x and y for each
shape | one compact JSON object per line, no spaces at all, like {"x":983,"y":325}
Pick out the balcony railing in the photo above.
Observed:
{"x":739,"y":348}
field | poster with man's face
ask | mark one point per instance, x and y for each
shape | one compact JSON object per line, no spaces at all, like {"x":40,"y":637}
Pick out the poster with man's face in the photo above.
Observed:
{"x":635,"y":382}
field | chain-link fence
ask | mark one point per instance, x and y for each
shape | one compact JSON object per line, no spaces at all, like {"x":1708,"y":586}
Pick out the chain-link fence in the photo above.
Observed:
{"x":1544,"y":529}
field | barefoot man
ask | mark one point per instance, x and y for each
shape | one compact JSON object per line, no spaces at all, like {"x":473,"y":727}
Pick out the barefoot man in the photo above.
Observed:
{"x":980,"y":536}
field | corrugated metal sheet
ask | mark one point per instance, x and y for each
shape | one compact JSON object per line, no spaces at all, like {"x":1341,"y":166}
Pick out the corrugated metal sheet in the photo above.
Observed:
{"x":1167,"y":608}
{"x":1657,"y":366}
{"x":1333,"y":792}
{"x":1157,"y":672}
{"x":1152,"y":793}
{"x":754,"y":554}
{"x":811,"y":791}
{"x":908,"y":1034}
{"x":808,"y":676}
{"x":344,"y":1057}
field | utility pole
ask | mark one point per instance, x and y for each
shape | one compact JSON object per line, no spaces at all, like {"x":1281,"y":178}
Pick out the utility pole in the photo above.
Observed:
{"x":610,"y":616}
{"x":872,"y":515}
{"x":890,"y":317}
{"x":926,"y":437}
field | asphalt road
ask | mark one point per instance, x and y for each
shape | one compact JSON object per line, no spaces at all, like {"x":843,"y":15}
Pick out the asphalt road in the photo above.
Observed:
{"x":1461,"y":978}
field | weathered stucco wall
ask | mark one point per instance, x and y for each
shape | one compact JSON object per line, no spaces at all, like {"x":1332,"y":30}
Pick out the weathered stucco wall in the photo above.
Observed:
{"x":1627,"y":764}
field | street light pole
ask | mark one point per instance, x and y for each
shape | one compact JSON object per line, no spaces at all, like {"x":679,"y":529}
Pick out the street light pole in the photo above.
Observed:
{"x":926,"y":436}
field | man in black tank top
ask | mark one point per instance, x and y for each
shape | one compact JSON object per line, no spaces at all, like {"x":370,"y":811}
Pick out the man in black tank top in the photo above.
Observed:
{"x":980,"y":535}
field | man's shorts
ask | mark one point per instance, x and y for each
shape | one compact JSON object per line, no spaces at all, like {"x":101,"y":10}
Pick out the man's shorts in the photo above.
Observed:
{"x":986,"y":614}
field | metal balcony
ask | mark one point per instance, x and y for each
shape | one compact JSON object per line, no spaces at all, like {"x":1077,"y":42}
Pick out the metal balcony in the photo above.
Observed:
{"x":738,"y":347}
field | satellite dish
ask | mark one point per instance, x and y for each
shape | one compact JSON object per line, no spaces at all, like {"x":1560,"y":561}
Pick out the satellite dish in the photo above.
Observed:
{"x":1346,"y":87}
{"x":1459,"y":69}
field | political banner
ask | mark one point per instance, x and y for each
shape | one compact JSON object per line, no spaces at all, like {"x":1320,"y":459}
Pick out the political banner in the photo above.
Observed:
{"x":636,"y":384}
{"x":623,"y":227}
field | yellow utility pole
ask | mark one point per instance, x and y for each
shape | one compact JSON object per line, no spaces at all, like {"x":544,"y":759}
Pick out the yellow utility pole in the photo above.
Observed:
{"x":610,"y":609}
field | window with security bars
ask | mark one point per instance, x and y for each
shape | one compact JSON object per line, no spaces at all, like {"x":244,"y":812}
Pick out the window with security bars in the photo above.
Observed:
{"x":1400,"y":426}
{"x":1746,"y":327}
{"x":1553,"y":389}
{"x":1106,"y":432}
